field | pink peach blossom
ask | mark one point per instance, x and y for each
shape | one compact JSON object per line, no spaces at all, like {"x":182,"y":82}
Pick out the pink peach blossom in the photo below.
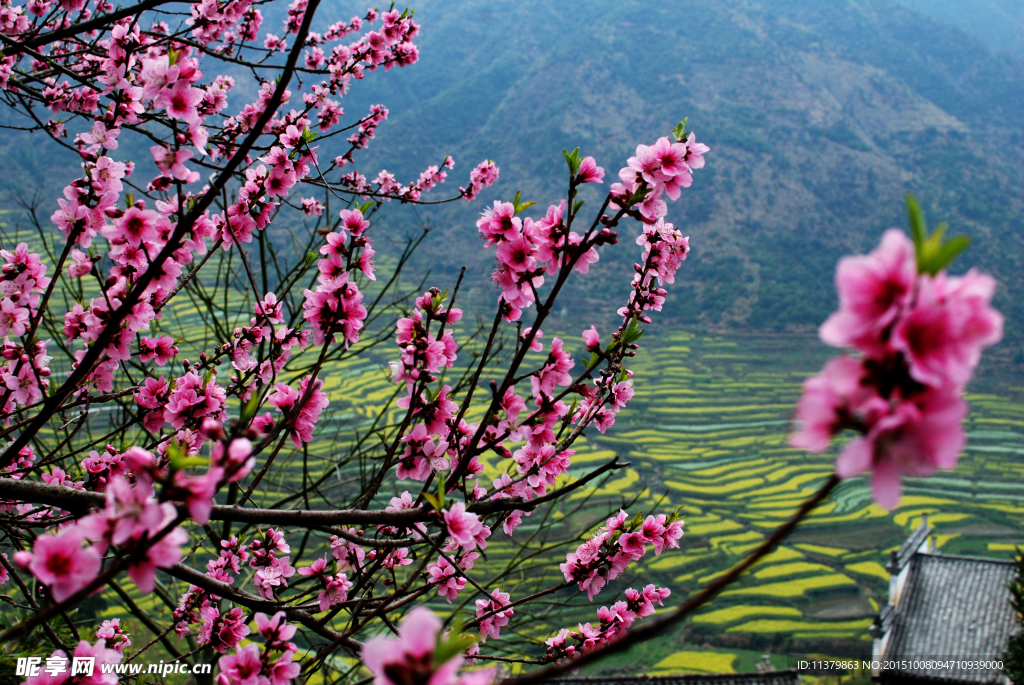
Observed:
{"x":915,"y":439}
{"x":873,"y":289}
{"x":59,"y":562}
{"x":950,"y":322}
{"x":462,"y":525}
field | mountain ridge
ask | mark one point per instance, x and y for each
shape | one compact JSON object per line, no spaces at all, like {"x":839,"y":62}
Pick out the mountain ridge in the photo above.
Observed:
{"x":820,"y":118}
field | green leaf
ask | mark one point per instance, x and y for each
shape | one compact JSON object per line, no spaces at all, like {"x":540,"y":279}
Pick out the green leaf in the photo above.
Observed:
{"x":365,"y":207}
{"x":450,"y":646}
{"x":637,"y":520}
{"x":918,"y":230}
{"x":250,"y":409}
{"x":518,"y":205}
{"x":178,"y":458}
{"x":573,"y":160}
{"x":675,"y":514}
{"x":950,"y":251}
{"x":440,"y":493}
{"x":594,"y":357}
{"x":632,"y":333}
{"x":572,"y":407}
{"x":308,"y":136}
{"x":638,"y":196}
{"x":433,"y":500}
{"x":934,"y":252}
{"x":576,"y":206}
{"x":439,"y":298}
{"x":679,"y":132}
{"x":311,"y":258}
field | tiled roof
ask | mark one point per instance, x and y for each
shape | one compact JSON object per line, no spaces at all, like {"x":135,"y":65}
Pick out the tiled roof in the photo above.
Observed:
{"x":953,"y":607}
{"x":767,"y":678}
{"x":909,"y":547}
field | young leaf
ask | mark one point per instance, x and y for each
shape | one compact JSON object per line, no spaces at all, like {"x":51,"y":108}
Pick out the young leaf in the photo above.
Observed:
{"x":573,"y":160}
{"x":675,"y":515}
{"x":525,"y":205}
{"x":572,"y":407}
{"x":433,"y":500}
{"x":918,"y":230}
{"x":949,"y":251}
{"x":679,"y":132}
{"x":934,"y":252}
{"x":454,"y":645}
{"x":576,"y":206}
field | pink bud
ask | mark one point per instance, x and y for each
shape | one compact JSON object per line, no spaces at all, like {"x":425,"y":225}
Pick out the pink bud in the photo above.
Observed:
{"x":239,"y":449}
{"x":213,"y":429}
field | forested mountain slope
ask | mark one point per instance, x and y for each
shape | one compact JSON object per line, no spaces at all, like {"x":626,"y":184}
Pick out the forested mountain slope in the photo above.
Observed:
{"x":999,"y":24}
{"x":820,"y":117}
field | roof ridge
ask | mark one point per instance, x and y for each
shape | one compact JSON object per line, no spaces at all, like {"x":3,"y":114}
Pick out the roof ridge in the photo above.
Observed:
{"x":963,"y":557}
{"x":900,"y":557}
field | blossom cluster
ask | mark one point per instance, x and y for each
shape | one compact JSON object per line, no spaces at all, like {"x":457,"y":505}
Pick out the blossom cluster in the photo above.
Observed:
{"x":658,"y":170}
{"x":220,"y":631}
{"x":274,"y":663}
{"x":132,"y":519}
{"x":423,"y":353}
{"x":920,"y":336}
{"x":613,"y":622}
{"x":272,"y":570}
{"x":335,"y":586}
{"x":607,"y":554}
{"x":527,"y":250}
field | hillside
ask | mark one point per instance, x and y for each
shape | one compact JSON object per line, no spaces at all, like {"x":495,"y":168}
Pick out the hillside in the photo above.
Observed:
{"x":999,"y":24}
{"x":820,"y":117}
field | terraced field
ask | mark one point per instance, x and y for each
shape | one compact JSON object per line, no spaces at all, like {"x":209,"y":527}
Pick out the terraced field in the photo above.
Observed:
{"x":707,"y":430}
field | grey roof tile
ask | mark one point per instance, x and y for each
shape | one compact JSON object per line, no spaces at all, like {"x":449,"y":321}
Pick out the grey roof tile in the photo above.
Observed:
{"x":909,"y":547}
{"x":953,"y":607}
